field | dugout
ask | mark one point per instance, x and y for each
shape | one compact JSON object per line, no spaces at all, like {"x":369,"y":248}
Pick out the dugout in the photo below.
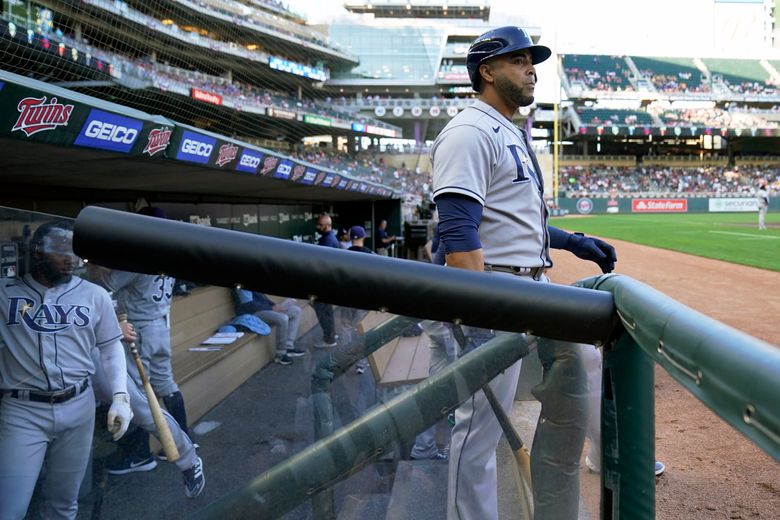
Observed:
{"x":63,"y":150}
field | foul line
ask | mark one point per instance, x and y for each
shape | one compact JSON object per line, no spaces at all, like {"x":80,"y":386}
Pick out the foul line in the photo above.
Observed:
{"x":746,"y":235}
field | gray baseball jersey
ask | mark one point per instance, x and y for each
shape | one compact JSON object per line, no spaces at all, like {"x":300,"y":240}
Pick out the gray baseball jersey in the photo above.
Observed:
{"x":762,"y":197}
{"x":141,"y":296}
{"x":482,"y":155}
{"x":46,"y":334}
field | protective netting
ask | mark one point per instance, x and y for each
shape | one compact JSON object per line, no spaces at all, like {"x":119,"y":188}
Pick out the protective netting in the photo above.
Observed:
{"x":249,"y":69}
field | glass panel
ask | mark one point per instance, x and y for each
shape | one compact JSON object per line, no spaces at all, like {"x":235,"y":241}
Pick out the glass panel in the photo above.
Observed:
{"x":249,"y":383}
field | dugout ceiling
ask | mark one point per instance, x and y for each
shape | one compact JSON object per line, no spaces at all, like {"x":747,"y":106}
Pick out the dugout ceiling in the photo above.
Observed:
{"x":58,"y":144}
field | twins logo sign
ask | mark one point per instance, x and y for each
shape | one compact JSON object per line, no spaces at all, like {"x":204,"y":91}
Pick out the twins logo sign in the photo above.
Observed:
{"x":106,"y":131}
{"x":35,"y":115}
{"x":584,"y":206}
{"x":195,"y":147}
{"x":158,"y":140}
{"x":46,"y":318}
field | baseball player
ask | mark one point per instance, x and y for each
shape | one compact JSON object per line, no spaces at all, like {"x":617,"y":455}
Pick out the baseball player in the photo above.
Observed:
{"x":762,"y":197}
{"x":51,"y":322}
{"x":188,"y":462}
{"x":489,"y":193}
{"x":146,"y":299}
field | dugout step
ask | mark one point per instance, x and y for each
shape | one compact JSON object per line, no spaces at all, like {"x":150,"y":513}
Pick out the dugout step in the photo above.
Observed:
{"x":361,"y":507}
{"x":420,"y":490}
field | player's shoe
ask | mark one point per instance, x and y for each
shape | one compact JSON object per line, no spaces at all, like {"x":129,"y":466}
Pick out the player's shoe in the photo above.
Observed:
{"x":439,"y":455}
{"x":295,"y":352}
{"x":592,"y":467}
{"x":194,"y":479}
{"x":659,"y":468}
{"x":284,"y":359}
{"x":328,"y":342}
{"x":132,"y":465}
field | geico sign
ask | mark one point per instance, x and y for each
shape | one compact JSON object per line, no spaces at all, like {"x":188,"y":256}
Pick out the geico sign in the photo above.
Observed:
{"x":196,"y":148}
{"x":250,"y":161}
{"x":110,"y":132}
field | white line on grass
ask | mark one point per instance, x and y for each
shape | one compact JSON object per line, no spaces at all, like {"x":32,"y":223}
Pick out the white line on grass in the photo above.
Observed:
{"x":748,"y":235}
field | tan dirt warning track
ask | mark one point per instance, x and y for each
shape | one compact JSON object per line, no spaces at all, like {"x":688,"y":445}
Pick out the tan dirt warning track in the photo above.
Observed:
{"x":712,"y":470}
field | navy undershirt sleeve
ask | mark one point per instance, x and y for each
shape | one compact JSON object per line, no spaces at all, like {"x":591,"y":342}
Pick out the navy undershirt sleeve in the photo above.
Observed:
{"x":558,"y":237}
{"x":459,"y":218}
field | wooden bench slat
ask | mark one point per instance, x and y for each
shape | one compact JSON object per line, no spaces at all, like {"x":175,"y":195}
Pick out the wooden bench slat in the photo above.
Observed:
{"x":197,"y":301}
{"x":373,"y":319}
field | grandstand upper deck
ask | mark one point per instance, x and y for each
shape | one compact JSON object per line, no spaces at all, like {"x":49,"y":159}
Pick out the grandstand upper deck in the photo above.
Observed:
{"x":597,"y":72}
{"x":458,"y":9}
{"x":609,"y":117}
{"x":249,"y":26}
{"x":741,"y":76}
{"x":671,"y":74}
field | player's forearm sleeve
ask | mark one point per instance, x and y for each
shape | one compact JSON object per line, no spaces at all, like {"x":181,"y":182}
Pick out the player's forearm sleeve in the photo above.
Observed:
{"x":558,"y":237}
{"x":112,"y":358}
{"x":459,"y":219}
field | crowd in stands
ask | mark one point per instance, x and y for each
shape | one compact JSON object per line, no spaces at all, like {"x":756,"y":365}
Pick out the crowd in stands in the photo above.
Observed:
{"x":371,"y":167}
{"x":240,"y":14}
{"x":602,"y":180}
{"x":680,"y":82}
{"x":236,"y":95}
{"x":713,"y":117}
{"x":595,"y":75}
{"x":751,"y":87}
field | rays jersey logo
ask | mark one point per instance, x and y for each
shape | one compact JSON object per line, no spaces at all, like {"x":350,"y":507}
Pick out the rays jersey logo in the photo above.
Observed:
{"x":46,"y":318}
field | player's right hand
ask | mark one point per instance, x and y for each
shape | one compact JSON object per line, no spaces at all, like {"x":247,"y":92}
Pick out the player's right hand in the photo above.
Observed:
{"x":119,"y":415}
{"x":129,"y":334}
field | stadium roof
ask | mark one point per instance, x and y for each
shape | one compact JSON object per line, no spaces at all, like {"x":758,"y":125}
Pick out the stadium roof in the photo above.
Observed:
{"x":422,"y":9}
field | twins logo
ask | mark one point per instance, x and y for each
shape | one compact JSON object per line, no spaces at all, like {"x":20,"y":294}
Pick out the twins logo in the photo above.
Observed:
{"x":35,"y":115}
{"x":46,"y":318}
{"x":158,"y":140}
{"x":227,"y":152}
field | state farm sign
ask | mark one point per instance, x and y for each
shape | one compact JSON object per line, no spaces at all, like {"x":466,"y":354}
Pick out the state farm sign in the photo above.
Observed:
{"x":659,"y":205}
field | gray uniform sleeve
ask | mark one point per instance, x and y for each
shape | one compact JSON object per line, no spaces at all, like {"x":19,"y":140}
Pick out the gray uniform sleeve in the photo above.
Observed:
{"x":106,"y":325}
{"x":463,"y":159}
{"x":117,"y":280}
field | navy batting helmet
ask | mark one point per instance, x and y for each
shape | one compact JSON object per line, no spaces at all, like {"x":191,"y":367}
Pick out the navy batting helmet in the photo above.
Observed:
{"x":498,"y":42}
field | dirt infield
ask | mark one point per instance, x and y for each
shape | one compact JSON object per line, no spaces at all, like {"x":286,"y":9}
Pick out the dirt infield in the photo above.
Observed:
{"x":712,"y":471}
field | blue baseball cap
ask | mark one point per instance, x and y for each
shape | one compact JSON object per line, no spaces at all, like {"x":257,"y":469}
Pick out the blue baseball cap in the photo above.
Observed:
{"x":357,"y":232}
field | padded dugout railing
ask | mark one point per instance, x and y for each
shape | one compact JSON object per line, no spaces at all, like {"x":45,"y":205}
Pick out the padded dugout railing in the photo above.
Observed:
{"x":737,"y":376}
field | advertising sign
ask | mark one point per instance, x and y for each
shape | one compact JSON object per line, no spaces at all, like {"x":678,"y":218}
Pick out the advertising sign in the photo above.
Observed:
{"x":310,"y":176}
{"x":157,"y":140}
{"x":195,"y":147}
{"x":269,"y":165}
{"x":36,"y":115}
{"x":107,"y":131}
{"x":659,"y":205}
{"x":227,"y":153}
{"x":249,"y":162}
{"x":206,"y":97}
{"x":284,"y":169}
{"x":317,"y":120}
{"x":733,"y":205}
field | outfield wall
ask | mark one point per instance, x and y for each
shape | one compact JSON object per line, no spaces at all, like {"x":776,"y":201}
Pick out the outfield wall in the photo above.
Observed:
{"x":623,"y":205}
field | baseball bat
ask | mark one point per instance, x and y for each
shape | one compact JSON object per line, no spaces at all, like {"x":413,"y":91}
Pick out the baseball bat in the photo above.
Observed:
{"x":163,"y":431}
{"x":522,"y":457}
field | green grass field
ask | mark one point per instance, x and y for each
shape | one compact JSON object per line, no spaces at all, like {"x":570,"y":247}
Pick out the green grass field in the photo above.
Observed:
{"x":733,"y":237}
